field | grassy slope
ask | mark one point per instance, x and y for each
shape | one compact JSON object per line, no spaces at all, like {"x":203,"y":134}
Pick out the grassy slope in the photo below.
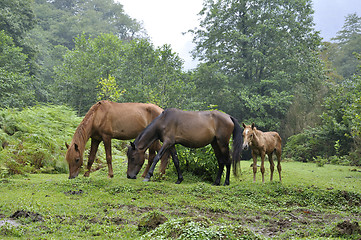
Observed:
{"x":309,"y":203}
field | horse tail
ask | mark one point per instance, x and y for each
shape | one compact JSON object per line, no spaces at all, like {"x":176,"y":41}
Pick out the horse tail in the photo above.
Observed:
{"x":237,"y":145}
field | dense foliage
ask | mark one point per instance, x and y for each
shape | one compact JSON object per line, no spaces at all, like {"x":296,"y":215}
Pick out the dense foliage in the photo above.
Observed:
{"x":142,"y":73}
{"x":33,"y":140}
{"x":337,"y":137}
{"x":259,"y":54}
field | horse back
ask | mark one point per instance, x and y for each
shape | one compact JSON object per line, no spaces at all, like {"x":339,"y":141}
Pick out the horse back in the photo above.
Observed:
{"x":272,"y":142}
{"x":123,"y":120}
{"x":195,"y":128}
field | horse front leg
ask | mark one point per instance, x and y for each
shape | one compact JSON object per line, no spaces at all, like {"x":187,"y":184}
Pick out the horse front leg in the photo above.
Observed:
{"x":262,"y":165}
{"x":93,"y":150}
{"x":160,"y":154}
{"x":254,"y":156}
{"x":152,"y":154}
{"x":156,"y":146}
{"x":108,"y":152}
{"x":164,"y":162}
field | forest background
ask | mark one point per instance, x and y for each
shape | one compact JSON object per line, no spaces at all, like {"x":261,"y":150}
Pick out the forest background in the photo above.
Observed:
{"x":260,"y":61}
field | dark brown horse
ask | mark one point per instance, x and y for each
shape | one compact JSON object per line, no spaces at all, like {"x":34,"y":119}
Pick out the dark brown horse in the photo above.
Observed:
{"x":106,"y":120}
{"x":262,"y":143}
{"x":190,"y":129}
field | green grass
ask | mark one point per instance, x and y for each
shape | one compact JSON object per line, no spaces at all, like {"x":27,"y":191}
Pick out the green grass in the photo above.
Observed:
{"x":309,"y":203}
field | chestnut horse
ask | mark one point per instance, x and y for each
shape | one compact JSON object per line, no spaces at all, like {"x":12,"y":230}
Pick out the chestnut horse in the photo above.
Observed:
{"x":106,"y":120}
{"x":190,"y":129}
{"x":262,"y":143}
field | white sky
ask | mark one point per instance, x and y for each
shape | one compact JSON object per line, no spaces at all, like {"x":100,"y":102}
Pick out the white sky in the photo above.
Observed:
{"x":166,"y":20}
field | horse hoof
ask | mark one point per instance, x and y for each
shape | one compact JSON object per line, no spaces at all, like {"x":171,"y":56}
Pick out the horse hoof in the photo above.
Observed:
{"x":179,"y":181}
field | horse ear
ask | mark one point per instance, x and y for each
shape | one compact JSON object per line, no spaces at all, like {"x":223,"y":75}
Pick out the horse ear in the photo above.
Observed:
{"x":253,"y":125}
{"x":76,"y":147}
{"x":67,"y":146}
{"x":132,"y":145}
{"x":244,"y":125}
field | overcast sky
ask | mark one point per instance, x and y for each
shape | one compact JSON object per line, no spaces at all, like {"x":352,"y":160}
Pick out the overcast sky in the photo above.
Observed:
{"x":166,"y":20}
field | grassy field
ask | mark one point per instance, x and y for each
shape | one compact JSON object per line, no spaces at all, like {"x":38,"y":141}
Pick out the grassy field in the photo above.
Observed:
{"x":311,"y":203}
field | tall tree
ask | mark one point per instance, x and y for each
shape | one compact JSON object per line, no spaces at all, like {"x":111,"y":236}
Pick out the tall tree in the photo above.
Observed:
{"x":142,"y":72}
{"x":17,"y":18}
{"x":92,"y":59}
{"x":154,"y":75}
{"x":348,"y":42}
{"x":15,"y":84}
{"x":63,"y":20}
{"x":264,"y":51}
{"x":59,"y":22}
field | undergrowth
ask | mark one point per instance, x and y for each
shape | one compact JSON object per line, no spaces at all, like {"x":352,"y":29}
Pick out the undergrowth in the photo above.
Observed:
{"x":33,"y":139}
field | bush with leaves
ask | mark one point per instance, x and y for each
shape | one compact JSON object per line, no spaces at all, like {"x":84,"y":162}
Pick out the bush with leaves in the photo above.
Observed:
{"x":199,"y":161}
{"x":339,"y":134}
{"x":33,"y":139}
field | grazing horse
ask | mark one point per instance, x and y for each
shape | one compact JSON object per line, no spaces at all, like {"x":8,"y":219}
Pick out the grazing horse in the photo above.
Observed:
{"x":262,"y":143}
{"x":106,"y":120}
{"x":190,"y":129}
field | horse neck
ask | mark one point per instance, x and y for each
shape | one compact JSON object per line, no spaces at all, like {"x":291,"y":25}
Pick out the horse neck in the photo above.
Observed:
{"x":256,"y":137}
{"x":83,"y":133}
{"x":147,"y":137}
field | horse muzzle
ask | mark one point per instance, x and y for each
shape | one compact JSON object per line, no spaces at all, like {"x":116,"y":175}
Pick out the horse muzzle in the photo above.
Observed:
{"x":245,"y":146}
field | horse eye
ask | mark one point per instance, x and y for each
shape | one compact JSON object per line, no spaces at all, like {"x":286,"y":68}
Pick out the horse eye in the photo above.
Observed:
{"x":77,"y":160}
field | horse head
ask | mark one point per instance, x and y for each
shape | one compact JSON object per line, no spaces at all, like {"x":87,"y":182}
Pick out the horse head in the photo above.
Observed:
{"x":135,"y":160}
{"x":248,"y":134}
{"x":74,"y":157}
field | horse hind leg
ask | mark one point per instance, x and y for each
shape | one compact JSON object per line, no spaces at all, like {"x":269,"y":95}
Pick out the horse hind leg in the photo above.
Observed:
{"x":279,"y":168}
{"x":222,"y":155}
{"x":218,"y":154}
{"x":174,"y":154}
{"x":272,"y":165}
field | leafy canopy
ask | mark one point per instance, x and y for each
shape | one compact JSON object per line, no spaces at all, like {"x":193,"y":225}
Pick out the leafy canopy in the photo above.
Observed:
{"x":260,"y":53}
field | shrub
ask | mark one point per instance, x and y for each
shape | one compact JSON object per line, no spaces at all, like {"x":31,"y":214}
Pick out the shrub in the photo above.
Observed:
{"x":200,"y":161}
{"x":320,"y":162}
{"x":33,"y":139}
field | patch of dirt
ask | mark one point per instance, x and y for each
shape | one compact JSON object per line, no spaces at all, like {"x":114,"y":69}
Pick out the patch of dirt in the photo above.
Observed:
{"x":347,"y":228}
{"x":35,"y":217}
{"x":79,"y":192}
{"x":151,"y":221}
{"x":117,"y":220}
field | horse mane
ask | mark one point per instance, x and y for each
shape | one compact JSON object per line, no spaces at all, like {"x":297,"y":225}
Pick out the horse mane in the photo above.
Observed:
{"x":80,"y":135}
